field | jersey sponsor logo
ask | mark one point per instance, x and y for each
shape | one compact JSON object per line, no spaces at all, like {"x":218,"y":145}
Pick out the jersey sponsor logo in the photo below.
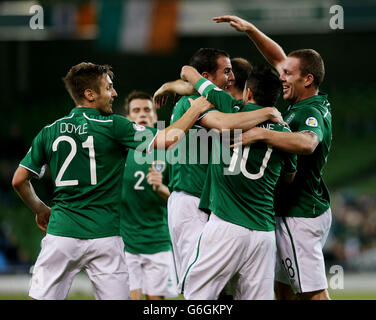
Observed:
{"x":138,"y":127}
{"x":311,"y":122}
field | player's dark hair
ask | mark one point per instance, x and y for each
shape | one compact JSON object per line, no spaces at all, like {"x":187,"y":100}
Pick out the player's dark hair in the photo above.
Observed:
{"x":241,"y":68}
{"x":85,"y":75}
{"x":310,"y":63}
{"x":205,"y":59}
{"x":135,"y":94}
{"x":265,"y":85}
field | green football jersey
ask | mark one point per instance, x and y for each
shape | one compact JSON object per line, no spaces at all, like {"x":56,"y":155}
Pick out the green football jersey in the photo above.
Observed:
{"x":85,"y":152}
{"x":186,"y":172}
{"x":240,"y":190}
{"x":143,"y":219}
{"x":190,"y":157}
{"x":308,"y":195}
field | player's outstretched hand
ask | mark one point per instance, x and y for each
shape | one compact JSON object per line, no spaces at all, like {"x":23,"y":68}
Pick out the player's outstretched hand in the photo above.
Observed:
{"x":238,"y":23}
{"x":162,"y":95}
{"x":42,"y":218}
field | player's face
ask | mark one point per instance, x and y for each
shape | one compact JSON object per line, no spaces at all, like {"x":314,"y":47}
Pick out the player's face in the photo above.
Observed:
{"x":107,"y":95}
{"x":224,"y":76}
{"x":292,"y":80}
{"x":141,"y":111}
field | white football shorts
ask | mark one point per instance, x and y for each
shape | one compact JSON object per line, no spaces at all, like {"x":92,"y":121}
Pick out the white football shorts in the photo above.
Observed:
{"x":154,"y":273}
{"x":185,"y":223}
{"x":225,"y":252}
{"x":61,"y":258}
{"x":300,"y":260}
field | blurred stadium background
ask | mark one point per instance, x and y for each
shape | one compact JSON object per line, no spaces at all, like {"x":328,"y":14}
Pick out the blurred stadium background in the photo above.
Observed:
{"x":147,"y":42}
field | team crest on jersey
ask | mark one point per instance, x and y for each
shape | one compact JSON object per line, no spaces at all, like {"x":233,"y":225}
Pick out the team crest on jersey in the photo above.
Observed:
{"x":138,"y":127}
{"x":311,"y":122}
{"x":289,"y":119}
{"x":158,"y":166}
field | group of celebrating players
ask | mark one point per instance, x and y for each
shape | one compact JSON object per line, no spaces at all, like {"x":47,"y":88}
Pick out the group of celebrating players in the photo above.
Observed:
{"x":250,"y":223}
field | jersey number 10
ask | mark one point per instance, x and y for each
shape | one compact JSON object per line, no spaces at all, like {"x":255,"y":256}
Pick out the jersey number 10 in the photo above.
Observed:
{"x":243,"y":162}
{"x":89,"y":143}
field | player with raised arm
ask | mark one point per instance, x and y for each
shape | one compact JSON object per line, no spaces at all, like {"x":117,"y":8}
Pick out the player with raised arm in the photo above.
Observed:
{"x":85,"y":153}
{"x":185,"y":219}
{"x":238,"y":241}
{"x":304,"y":206}
{"x":143,"y":218}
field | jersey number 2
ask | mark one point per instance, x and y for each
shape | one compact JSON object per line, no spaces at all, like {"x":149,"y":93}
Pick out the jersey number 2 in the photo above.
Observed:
{"x":89,"y":143}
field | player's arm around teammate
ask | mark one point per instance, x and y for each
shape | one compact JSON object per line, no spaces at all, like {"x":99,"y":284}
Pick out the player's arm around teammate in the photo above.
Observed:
{"x":216,"y":119}
{"x":309,"y":117}
{"x":226,"y":121}
{"x":297,"y":142}
{"x":85,"y":153}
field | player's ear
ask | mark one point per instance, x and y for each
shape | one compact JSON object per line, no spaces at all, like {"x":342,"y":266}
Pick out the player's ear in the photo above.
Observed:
{"x":249,"y":94}
{"x":90,"y":95}
{"x":309,"y":78}
{"x":205,"y":74}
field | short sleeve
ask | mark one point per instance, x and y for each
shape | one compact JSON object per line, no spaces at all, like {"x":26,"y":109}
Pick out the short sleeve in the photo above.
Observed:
{"x":310,"y":119}
{"x":132,"y":135}
{"x":222,"y":100}
{"x":35,"y":159}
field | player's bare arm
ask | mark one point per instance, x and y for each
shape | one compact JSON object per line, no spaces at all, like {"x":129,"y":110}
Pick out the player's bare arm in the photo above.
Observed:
{"x":271,"y":50}
{"x":227,"y":121}
{"x":22,"y":185}
{"x":155,"y":179}
{"x":169,"y":89}
{"x":304,"y":142}
{"x":176,"y":131}
{"x":240,"y":120}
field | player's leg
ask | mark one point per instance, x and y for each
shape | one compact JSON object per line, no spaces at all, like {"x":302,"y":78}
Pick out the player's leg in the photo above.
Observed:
{"x":282,"y":286}
{"x":159,"y":280}
{"x":216,"y":259}
{"x":55,"y":268}
{"x":300,"y":242}
{"x":256,"y":276}
{"x":134,"y":262}
{"x":185,"y":223}
{"x":107,"y":268}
